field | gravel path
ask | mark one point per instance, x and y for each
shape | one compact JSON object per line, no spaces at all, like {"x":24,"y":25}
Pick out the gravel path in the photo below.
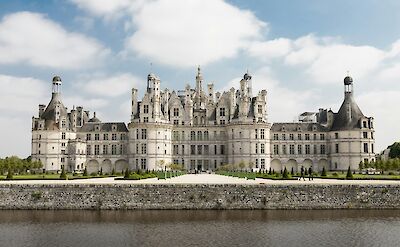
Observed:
{"x":199,"y":179}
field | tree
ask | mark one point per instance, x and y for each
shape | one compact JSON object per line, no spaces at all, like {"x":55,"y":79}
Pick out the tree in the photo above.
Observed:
{"x":113,"y":171}
{"x":323,"y":173}
{"x":160,"y":165}
{"x":361,"y":165}
{"x":127,"y":173}
{"x":63,"y":175}
{"x":394,"y":150}
{"x":9,"y":174}
{"x":101,"y":171}
{"x":251,"y":165}
{"x":292,"y":171}
{"x":349,"y":174}
{"x":85,"y":172}
{"x":285,"y":173}
{"x":269,"y":171}
{"x":176,"y":167}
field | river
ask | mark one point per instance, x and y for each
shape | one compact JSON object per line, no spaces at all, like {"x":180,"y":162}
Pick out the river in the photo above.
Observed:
{"x":200,"y":228}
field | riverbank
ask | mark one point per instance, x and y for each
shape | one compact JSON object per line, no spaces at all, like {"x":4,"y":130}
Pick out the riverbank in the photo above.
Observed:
{"x":303,"y":195}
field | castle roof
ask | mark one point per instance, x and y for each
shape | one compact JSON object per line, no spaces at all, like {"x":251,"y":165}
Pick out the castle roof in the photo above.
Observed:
{"x":348,"y":116}
{"x":104,"y":127}
{"x":298,"y":126}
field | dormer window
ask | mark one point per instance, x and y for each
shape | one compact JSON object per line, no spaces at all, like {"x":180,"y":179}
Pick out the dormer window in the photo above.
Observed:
{"x":283,"y":128}
{"x":97,"y":127}
{"x":114,"y":127}
{"x":298,"y":128}
{"x":314,"y":128}
{"x":145,"y":108}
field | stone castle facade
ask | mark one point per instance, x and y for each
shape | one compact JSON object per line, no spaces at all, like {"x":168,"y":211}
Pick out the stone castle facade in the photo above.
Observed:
{"x":202,"y":130}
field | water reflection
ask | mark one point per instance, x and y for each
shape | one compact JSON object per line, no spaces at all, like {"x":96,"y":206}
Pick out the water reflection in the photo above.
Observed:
{"x":200,"y":228}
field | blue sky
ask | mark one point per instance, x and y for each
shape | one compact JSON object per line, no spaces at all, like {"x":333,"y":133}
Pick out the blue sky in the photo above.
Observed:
{"x":298,"y":50}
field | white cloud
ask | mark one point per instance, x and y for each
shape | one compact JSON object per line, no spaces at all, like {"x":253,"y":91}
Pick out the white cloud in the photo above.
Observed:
{"x":108,"y":86}
{"x":383,"y":106}
{"x":109,"y":9}
{"x":19,"y":99}
{"x":266,"y":50}
{"x":21,"y":95}
{"x":33,"y":39}
{"x":185,"y":33}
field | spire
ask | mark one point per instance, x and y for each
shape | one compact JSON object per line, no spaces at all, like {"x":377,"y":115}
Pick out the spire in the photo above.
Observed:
{"x":199,"y":80}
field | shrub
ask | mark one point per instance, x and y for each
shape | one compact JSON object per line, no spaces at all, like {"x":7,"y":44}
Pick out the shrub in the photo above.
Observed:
{"x":349,"y":174}
{"x":323,"y":173}
{"x":292,"y":171}
{"x":391,"y":173}
{"x":285,"y":173}
{"x":93,"y":174}
{"x":113,"y":171}
{"x":85,"y":172}
{"x":335,"y":174}
{"x":101,"y":171}
{"x":63,"y":175}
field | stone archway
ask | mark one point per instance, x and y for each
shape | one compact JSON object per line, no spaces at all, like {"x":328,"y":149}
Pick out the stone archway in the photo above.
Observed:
{"x":307,"y":163}
{"x":323,"y":163}
{"x":92,"y":166}
{"x":121,"y":165}
{"x":276,"y":165}
{"x":291,"y":164}
{"x":106,"y":165}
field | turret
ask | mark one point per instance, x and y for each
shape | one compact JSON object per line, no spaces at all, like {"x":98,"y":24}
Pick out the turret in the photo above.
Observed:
{"x":134,"y":103}
{"x":199,"y":81}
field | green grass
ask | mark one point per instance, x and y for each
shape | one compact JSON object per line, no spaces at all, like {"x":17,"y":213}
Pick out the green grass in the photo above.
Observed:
{"x":254,"y":175}
{"x":51,"y":177}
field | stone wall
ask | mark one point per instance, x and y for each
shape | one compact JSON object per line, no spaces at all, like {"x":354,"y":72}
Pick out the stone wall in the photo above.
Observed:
{"x":195,"y":196}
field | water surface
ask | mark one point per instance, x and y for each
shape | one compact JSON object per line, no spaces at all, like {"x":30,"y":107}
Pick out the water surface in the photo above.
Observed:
{"x":201,"y":228}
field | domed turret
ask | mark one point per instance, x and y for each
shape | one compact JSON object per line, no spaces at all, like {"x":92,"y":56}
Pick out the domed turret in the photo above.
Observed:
{"x":56,"y":79}
{"x":348,"y":80}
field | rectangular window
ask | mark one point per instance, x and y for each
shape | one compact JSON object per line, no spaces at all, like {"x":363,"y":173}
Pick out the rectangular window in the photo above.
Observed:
{"x":365,"y":124}
{"x":105,"y":137}
{"x":222,"y":149}
{"x":262,"y":148}
{"x":284,"y":151}
{"x":143,"y":164}
{"x":307,"y":149}
{"x":336,"y":135}
{"x":96,"y":149}
{"x":137,"y":148}
{"x":176,"y":112}
{"x":262,"y":133}
{"x":145,"y":108}
{"x":192,"y":135}
{"x":63,"y":136}
{"x":365,"y":135}
{"x":222,"y":121}
{"x":62,"y":144}
{"x":206,"y":135}
{"x":337,"y":148}
{"x":114,"y":137}
{"x":315,"y":149}
{"x":323,"y":149}
{"x":183,"y":149}
{"x":299,"y":149}
{"x":298,"y":136}
{"x":276,"y":137}
{"x":96,"y":137}
{"x":256,"y":148}
{"x":199,"y":136}
{"x":144,"y":148}
{"x":256,"y":134}
{"x":291,"y":137}
{"x":199,"y":149}
{"x":88,"y":137}
{"x":259,"y":109}
{"x":215,"y":149}
{"x":276,"y":149}
{"x":206,"y":149}
{"x":88,"y":150}
{"x":192,"y":149}
{"x":372,"y":148}
{"x":105,"y":149}
{"x":175,"y":135}
{"x":114,"y":149}
{"x":222,"y":112}
{"x":321,"y":136}
{"x":144,"y":133}
{"x":365,"y":147}
{"x":307,"y":137}
{"x":372,"y":135}
{"x":176,"y":121}
{"x":315,"y":136}
{"x":291,"y":149}
{"x":145,"y":119}
{"x":284,"y":137}
{"x":262,"y":163}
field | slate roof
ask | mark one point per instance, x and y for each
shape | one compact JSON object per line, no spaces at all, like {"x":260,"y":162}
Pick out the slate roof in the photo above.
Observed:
{"x":293,"y":127}
{"x":341,"y":119}
{"x":104,"y":127}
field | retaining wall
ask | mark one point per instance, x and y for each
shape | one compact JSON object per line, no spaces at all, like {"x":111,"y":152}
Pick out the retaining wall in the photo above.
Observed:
{"x":197,"y":196}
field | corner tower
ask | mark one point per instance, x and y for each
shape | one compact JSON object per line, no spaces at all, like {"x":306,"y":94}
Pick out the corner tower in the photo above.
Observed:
{"x":352,"y":133}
